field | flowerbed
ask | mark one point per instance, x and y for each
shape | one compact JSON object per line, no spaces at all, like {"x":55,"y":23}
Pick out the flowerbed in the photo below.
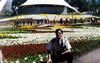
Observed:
{"x":48,"y":27}
{"x":48,"y":31}
{"x":14,"y":32}
{"x":30,"y":46}
{"x":34,"y":27}
{"x":35,"y":53}
{"x":10,"y":30}
{"x":84,"y":45}
{"x":2,"y":36}
{"x":17,"y":51}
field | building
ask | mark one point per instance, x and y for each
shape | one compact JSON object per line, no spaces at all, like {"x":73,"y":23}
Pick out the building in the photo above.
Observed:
{"x":33,"y":8}
{"x":44,"y":7}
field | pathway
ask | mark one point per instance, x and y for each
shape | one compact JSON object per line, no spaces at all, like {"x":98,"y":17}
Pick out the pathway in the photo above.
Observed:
{"x":91,"y":57}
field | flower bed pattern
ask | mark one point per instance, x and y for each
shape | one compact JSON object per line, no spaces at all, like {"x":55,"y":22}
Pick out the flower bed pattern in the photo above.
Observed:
{"x":2,"y":36}
{"x":17,"y":51}
{"x":48,"y":31}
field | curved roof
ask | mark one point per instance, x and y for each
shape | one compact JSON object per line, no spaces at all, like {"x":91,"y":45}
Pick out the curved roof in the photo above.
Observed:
{"x":48,"y":2}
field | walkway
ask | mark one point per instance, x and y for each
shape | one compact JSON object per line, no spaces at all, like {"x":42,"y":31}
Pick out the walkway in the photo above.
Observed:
{"x":91,"y":57}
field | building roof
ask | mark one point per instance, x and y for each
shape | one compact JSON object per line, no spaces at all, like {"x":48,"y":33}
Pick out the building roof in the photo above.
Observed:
{"x":48,"y":2}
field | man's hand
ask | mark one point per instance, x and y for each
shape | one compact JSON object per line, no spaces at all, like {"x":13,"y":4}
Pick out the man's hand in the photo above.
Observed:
{"x":67,"y":51}
{"x":49,"y":61}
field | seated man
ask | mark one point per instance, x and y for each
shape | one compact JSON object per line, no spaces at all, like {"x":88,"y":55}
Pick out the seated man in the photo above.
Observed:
{"x":59,"y":49}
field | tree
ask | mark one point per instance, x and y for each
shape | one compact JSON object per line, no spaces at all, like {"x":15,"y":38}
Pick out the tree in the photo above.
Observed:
{"x":98,"y":7}
{"x":93,"y":5}
{"x":85,"y":5}
{"x":81,"y":4}
{"x":16,"y":3}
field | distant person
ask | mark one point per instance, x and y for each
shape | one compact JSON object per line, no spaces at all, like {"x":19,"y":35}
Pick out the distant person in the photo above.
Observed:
{"x":93,"y":19}
{"x":61,"y":21}
{"x":59,"y":49}
{"x":31,"y":23}
{"x":66,"y":21}
{"x":81,"y":20}
{"x":54,"y":21}
{"x":96,"y":20}
{"x":23,"y":22}
{"x":75,"y":20}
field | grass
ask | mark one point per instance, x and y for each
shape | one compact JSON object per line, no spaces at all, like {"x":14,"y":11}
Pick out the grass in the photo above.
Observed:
{"x":93,"y":25}
{"x":74,"y":27}
{"x":12,"y":30}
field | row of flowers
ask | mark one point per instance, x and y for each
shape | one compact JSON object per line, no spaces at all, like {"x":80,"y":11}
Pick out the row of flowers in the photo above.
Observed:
{"x":48,"y":27}
{"x":36,"y":39}
{"x":16,"y":51}
{"x":13,"y":32}
{"x":86,"y":33}
{"x":38,"y":46}
{"x":2,"y":36}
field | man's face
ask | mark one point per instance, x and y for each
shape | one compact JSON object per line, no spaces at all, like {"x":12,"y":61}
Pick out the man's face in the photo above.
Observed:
{"x":59,"y":34}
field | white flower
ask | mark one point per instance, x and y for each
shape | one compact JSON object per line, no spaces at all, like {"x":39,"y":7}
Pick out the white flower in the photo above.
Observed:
{"x":41,"y":58}
{"x":11,"y":62}
{"x":28,"y":38}
{"x":17,"y":61}
{"x":25,"y":58}
{"x":5,"y":61}
{"x":34,"y":62}
{"x":46,"y":56}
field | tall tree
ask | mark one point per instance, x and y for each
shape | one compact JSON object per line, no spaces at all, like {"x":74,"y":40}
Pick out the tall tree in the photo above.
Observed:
{"x":85,"y":5}
{"x":80,"y":4}
{"x":16,"y":3}
{"x":98,"y":7}
{"x":93,"y":5}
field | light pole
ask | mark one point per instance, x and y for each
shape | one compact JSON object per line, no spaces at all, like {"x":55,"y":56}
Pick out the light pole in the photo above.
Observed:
{"x":16,"y":22}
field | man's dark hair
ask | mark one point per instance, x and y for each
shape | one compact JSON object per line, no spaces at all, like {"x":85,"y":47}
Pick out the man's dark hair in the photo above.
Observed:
{"x":57,"y":30}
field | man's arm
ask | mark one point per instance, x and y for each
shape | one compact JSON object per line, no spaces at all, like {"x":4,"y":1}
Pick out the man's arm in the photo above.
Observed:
{"x":67,"y":51}
{"x":49,"y":60}
{"x":67,"y":46}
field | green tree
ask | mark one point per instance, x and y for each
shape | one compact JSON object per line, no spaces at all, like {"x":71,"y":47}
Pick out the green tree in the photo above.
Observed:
{"x":16,"y":3}
{"x":93,"y":5}
{"x":81,"y":4}
{"x":98,"y":7}
{"x":85,"y":5}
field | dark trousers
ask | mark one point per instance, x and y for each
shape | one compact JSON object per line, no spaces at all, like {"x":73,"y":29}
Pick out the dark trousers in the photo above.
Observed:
{"x":67,"y":56}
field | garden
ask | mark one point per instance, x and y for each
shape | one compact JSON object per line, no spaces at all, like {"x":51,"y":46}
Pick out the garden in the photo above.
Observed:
{"x":27,"y":44}
{"x":23,"y":38}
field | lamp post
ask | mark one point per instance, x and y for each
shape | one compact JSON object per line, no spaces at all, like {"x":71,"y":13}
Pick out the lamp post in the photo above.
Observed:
{"x":72,"y":17}
{"x":15,"y":23}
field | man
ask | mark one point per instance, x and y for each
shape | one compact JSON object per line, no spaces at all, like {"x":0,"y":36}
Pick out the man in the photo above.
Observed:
{"x":59,"y":49}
